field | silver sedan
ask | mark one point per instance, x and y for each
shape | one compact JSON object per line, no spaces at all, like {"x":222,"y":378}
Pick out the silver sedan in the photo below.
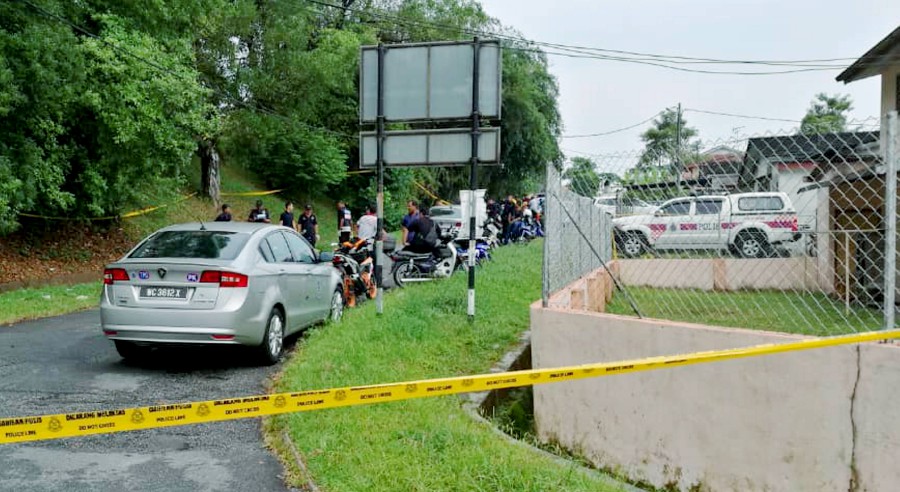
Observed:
{"x":218,"y":283}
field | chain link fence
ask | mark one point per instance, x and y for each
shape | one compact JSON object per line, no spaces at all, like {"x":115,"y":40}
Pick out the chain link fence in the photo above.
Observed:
{"x":784,"y":231}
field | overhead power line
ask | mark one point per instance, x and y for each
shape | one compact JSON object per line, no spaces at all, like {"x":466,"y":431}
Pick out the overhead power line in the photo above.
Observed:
{"x":610,"y":132}
{"x":585,"y":52}
{"x":734,"y":115}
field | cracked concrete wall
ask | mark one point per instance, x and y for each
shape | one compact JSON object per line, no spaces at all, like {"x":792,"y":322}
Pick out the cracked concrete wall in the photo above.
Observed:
{"x":772,"y":423}
{"x":877,"y":416}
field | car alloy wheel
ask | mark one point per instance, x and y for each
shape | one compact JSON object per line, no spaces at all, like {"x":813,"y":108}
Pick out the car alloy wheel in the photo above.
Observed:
{"x":337,"y":306}
{"x":273,"y":344}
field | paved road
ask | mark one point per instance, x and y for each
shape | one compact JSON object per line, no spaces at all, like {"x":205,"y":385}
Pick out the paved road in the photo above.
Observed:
{"x":64,"y":364}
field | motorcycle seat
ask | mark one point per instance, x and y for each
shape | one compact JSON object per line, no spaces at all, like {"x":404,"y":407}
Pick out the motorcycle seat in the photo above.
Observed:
{"x":412,"y":255}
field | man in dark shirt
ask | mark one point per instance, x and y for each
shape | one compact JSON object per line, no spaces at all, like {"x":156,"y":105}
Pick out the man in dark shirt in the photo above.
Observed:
{"x":259,"y":214}
{"x":225,"y":216}
{"x":308,"y":225}
{"x":287,"y":217}
{"x":425,"y":235}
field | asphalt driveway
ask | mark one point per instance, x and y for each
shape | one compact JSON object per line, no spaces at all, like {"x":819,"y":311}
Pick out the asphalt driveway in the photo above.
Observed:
{"x":64,"y":364}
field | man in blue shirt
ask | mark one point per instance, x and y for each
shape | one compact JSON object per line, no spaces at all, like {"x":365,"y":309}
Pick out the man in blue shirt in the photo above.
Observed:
{"x":413,"y":208}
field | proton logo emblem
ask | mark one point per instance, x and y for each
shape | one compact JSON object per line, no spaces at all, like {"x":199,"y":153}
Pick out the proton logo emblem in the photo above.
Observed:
{"x":161,"y":272}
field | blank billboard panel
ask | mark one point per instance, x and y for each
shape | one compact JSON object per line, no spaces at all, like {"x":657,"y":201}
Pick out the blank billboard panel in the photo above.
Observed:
{"x":412,"y":148}
{"x":430,"y":81}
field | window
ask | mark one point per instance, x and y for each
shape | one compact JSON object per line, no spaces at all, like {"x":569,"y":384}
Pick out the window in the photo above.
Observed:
{"x":708,"y":207}
{"x":760,"y":203}
{"x":676,"y":208}
{"x":300,"y":250}
{"x":192,"y":244}
{"x":266,"y":252}
{"x":279,"y":248}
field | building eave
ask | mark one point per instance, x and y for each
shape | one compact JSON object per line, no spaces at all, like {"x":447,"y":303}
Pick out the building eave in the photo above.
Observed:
{"x":875,"y":61}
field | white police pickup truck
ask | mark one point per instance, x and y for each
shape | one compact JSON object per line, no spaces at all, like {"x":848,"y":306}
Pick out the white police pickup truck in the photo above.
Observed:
{"x":748,"y":224}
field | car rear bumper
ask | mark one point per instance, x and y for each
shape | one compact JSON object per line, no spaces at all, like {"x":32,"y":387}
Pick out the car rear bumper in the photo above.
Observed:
{"x":178,"y":326}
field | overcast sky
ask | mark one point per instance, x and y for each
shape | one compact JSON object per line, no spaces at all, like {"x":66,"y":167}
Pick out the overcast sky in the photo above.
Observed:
{"x":599,"y":95}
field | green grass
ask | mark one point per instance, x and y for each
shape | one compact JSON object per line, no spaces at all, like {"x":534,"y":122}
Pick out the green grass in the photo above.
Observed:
{"x":41,"y":302}
{"x":427,"y":444}
{"x":789,"y":312}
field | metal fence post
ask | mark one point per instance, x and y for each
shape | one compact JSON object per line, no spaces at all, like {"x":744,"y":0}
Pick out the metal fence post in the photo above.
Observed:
{"x":548,"y":234}
{"x":892,"y":155}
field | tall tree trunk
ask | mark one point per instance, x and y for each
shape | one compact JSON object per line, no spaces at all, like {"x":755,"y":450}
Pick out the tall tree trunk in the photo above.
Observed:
{"x":209,"y":169}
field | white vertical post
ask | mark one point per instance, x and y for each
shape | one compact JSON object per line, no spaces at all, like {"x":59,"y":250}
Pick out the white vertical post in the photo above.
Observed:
{"x":891,"y":156}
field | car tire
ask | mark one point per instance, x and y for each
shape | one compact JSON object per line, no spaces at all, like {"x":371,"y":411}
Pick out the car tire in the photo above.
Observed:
{"x":131,"y":350}
{"x":336,"y":313}
{"x":752,"y":245}
{"x":404,"y":271}
{"x":633,"y":244}
{"x":272,"y":346}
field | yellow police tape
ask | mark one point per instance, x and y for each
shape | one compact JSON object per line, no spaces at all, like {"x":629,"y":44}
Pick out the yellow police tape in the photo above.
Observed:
{"x":251,"y":193}
{"x":44,"y":427}
{"x":126,"y":215}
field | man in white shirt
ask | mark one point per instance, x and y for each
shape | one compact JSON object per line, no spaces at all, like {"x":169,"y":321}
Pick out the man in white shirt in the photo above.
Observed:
{"x":367,"y":224}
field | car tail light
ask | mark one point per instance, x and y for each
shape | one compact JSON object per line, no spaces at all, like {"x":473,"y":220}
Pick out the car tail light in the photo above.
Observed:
{"x":794,"y":224}
{"x":110,"y":333}
{"x":113,"y":275}
{"x":224,"y":279}
{"x":223,"y":337}
{"x":459,"y":224}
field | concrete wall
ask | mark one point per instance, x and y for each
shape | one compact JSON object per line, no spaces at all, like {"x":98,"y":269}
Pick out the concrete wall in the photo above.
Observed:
{"x":772,"y":423}
{"x":797,"y":273}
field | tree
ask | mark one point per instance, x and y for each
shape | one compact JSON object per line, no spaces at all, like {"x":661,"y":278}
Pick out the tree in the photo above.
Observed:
{"x":667,"y":146}
{"x":826,"y":114}
{"x":583,"y":176}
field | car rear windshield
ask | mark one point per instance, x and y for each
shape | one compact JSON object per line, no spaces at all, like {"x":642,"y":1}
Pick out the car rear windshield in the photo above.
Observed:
{"x":754,"y":203}
{"x":442,"y":212}
{"x":217,"y":245}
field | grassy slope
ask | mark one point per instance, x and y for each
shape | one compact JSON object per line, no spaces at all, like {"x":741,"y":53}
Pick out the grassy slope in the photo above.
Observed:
{"x":428,"y":444}
{"x":34,"y":302}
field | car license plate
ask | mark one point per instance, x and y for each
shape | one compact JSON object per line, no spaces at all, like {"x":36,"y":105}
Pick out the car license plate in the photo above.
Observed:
{"x":164,"y":292}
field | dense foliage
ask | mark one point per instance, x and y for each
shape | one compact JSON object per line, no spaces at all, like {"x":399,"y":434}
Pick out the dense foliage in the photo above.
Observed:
{"x":105,"y":104}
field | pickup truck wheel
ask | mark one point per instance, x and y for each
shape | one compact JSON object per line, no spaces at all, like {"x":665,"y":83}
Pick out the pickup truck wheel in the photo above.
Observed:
{"x":633,"y":244}
{"x":752,"y":245}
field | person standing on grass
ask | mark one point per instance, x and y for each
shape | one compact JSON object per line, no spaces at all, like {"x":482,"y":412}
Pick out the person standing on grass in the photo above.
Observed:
{"x":259,"y":214}
{"x":368,"y":224}
{"x":412,"y":209}
{"x":287,"y":217}
{"x":344,"y":222}
{"x":225,"y":216}
{"x":309,"y":225}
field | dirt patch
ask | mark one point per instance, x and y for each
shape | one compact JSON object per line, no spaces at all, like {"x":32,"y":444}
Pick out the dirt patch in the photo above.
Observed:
{"x":43,"y":253}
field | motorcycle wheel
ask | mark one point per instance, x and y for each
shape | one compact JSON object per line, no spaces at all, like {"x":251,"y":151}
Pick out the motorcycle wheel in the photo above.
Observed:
{"x":405,"y":271}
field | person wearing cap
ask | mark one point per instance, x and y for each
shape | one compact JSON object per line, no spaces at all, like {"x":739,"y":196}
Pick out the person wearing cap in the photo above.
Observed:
{"x":308,"y":225}
{"x":259,"y":214}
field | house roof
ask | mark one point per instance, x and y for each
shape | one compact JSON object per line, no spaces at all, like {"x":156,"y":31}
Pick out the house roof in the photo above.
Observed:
{"x":884,"y":54}
{"x":802,"y":148}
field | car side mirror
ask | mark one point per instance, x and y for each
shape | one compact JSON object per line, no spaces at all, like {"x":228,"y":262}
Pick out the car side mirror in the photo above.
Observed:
{"x":658,"y":213}
{"x":326,"y":257}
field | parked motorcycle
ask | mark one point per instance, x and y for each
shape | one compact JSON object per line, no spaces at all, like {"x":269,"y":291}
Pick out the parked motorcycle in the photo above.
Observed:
{"x":354,"y":261}
{"x":482,"y":253}
{"x":425,"y":267}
